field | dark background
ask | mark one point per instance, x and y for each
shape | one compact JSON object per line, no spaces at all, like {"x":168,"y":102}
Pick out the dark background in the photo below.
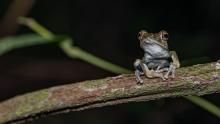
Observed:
{"x":108,"y":29}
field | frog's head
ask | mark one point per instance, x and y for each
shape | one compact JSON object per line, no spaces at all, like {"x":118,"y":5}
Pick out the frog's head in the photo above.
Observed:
{"x":159,"y":38}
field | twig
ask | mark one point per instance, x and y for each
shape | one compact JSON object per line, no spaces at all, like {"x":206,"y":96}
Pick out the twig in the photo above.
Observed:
{"x":195,"y":80}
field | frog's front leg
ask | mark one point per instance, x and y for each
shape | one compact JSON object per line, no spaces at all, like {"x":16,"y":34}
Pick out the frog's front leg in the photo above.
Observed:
{"x":138,"y":71}
{"x":173,"y":65}
{"x":138,"y":76}
{"x":171,"y":70}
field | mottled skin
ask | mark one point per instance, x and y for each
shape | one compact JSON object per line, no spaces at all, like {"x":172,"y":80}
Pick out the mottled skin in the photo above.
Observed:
{"x":158,"y":61}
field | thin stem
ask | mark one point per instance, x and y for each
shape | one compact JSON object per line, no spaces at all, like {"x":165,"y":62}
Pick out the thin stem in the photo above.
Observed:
{"x":35,"y":26}
{"x":14,"y":42}
{"x":76,"y":52}
{"x":81,"y":54}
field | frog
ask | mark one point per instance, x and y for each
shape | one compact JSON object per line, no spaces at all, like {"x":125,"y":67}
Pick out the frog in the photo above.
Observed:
{"x":158,"y":61}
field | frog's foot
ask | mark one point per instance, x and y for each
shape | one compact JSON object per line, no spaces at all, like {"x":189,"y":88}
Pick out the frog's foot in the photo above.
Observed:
{"x":167,"y":75}
{"x":138,"y":77}
{"x":162,"y":77}
{"x":158,"y":74}
{"x":171,"y":70}
{"x":158,"y":69}
{"x":151,"y":73}
{"x":154,"y":74}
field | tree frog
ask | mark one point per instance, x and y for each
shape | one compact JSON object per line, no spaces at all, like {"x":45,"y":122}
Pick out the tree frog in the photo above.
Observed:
{"x":158,"y":61}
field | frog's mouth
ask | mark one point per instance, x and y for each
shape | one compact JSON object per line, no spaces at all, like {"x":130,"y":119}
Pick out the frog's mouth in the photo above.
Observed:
{"x":158,"y":43}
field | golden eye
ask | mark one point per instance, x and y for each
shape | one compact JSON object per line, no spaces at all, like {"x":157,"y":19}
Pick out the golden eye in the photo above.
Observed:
{"x":139,"y":34}
{"x":142,"y":34}
{"x":164,"y":35}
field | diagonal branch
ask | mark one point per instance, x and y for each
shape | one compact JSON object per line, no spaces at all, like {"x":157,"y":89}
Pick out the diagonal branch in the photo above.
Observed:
{"x":195,"y":80}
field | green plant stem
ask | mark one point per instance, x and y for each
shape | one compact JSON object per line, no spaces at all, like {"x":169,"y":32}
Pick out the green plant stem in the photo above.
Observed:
{"x":205,"y":104}
{"x":15,"y":42}
{"x":35,"y":26}
{"x":76,"y":52}
{"x":72,"y":51}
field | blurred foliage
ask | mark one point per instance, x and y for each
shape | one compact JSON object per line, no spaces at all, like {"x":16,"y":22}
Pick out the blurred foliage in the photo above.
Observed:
{"x":15,"y":42}
{"x":194,"y":61}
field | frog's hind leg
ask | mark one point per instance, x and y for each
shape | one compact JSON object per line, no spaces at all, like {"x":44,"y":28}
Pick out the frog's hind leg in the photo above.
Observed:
{"x":151,"y":73}
{"x":174,"y":65}
{"x":141,"y":68}
{"x":175,"y":59}
{"x":162,"y":70}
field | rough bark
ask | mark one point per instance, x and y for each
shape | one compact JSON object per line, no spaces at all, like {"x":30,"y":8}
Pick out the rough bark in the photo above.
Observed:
{"x":194,"y":80}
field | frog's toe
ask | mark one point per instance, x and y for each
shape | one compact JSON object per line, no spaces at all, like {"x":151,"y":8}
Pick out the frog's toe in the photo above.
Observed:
{"x":159,"y":75}
{"x":173,"y":75}
{"x":166,"y":76}
{"x":141,"y":82}
{"x":163,"y":78}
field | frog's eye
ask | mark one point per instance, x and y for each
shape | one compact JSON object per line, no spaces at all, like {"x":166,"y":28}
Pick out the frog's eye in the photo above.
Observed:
{"x":142,"y":34}
{"x":164,"y":35}
{"x":139,"y":35}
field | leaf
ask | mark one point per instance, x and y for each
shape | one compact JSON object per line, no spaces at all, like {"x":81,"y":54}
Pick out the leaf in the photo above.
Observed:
{"x":15,"y":42}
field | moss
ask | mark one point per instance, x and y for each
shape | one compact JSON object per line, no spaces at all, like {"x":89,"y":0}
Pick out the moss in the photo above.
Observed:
{"x":218,"y":72}
{"x":32,"y":103}
{"x":206,"y":76}
{"x":196,"y":69}
{"x":95,"y":84}
{"x":115,"y":93}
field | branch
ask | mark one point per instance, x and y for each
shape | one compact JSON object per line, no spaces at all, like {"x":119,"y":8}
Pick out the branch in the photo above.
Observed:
{"x":195,"y":80}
